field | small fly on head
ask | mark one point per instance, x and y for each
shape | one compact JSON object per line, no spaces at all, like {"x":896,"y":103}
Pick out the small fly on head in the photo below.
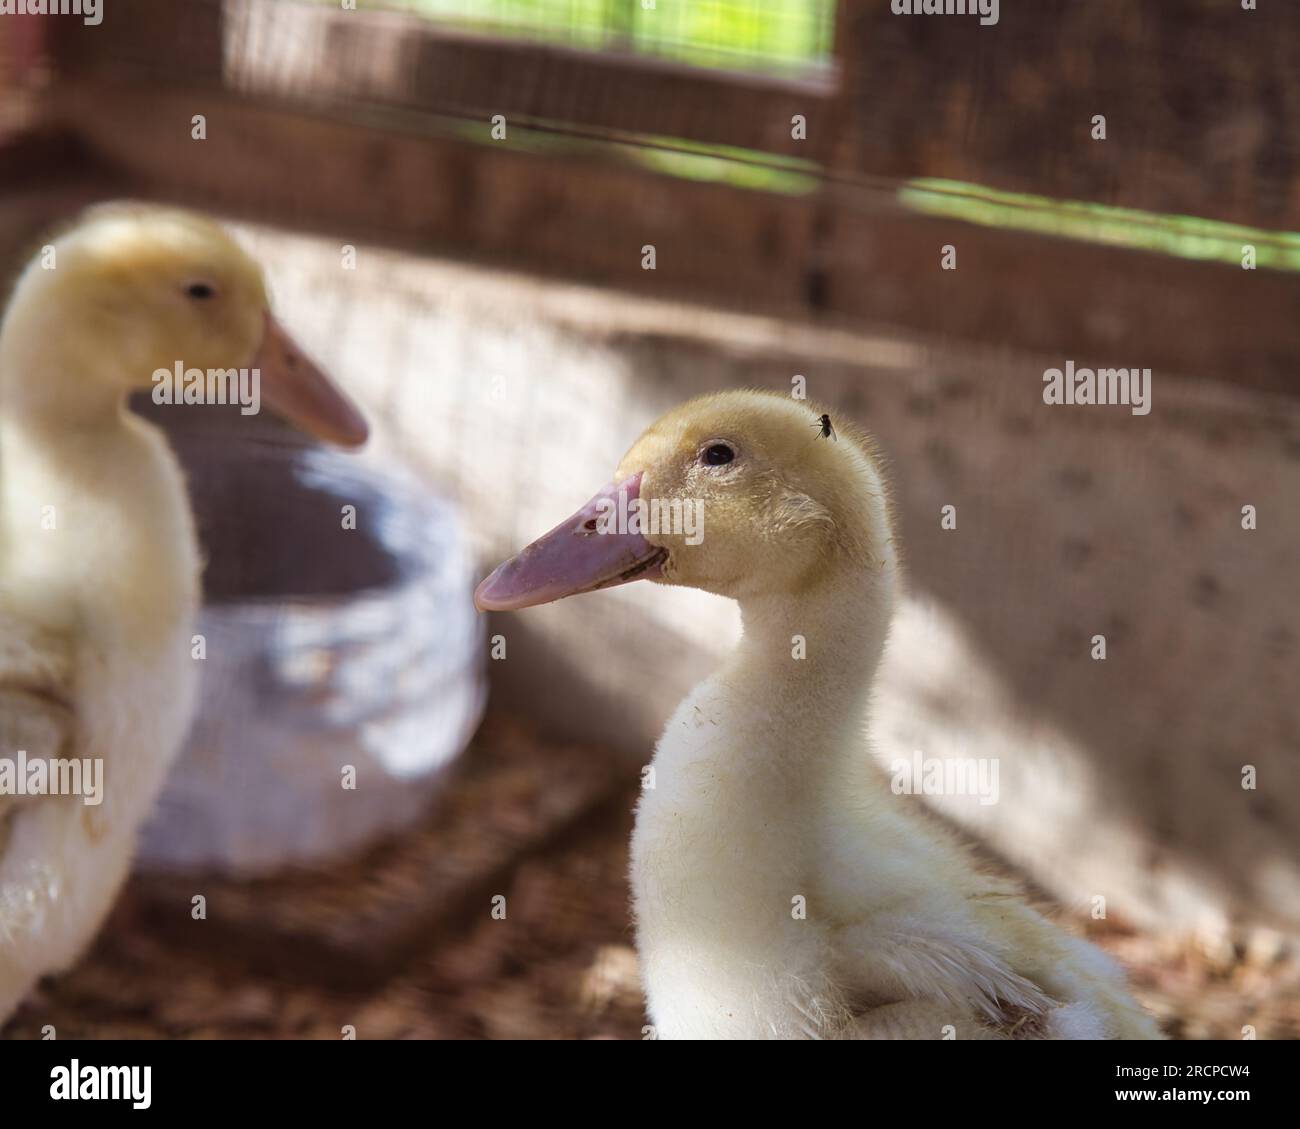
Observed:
{"x":825,"y":429}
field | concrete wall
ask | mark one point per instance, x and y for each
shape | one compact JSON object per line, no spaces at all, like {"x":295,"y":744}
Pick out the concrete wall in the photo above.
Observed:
{"x":1120,"y":778}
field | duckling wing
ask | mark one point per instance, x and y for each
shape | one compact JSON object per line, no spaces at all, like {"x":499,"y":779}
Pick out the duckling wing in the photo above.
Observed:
{"x":36,"y":831}
{"x":918,"y":1019}
{"x":938,"y":982}
{"x":35,"y":695}
{"x":1096,"y":1002}
{"x":40,"y":727}
{"x":33,"y":657}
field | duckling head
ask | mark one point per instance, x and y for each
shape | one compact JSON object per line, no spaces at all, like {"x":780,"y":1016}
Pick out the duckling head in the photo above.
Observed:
{"x":130,"y":290}
{"x":737,"y":493}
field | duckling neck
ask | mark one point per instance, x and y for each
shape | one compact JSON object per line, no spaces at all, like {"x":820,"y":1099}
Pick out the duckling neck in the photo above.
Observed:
{"x":778,"y":733}
{"x":787,"y":710}
{"x":95,"y":526}
{"x":815,"y":655}
{"x":754,"y":766}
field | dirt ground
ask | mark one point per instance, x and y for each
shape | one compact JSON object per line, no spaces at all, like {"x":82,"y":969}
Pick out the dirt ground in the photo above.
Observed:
{"x":403,"y":943}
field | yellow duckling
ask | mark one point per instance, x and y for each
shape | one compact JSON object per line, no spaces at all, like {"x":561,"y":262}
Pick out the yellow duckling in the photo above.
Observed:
{"x":99,"y":565}
{"x":781,"y":889}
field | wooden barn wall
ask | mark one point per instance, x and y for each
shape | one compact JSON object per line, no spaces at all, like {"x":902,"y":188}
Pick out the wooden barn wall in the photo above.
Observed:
{"x":320,"y":54}
{"x":1201,"y":100}
{"x":353,"y":124}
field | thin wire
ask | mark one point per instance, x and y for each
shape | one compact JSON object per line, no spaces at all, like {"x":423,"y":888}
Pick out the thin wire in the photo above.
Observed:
{"x":884,"y":189}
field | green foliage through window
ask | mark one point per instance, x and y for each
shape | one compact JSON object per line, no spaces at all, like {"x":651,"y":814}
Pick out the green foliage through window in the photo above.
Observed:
{"x":770,"y":36}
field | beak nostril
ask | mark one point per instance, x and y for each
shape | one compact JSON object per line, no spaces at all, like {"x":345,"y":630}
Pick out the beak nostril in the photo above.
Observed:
{"x":572,"y":559}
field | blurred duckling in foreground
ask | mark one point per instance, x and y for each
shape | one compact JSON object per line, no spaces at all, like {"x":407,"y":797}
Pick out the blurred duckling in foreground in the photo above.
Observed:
{"x":765,"y":795}
{"x":99,"y":565}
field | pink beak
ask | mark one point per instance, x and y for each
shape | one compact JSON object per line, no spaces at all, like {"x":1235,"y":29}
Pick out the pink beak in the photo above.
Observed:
{"x":592,"y":549}
{"x":298,"y":390}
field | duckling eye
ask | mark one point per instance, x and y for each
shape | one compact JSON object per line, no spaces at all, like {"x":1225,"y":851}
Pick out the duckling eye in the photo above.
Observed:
{"x":719,"y":454}
{"x":201,"y":291}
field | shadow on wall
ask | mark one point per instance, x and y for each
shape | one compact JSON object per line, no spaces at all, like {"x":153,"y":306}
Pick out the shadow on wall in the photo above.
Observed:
{"x":1119,"y":779}
{"x":1082,"y":522}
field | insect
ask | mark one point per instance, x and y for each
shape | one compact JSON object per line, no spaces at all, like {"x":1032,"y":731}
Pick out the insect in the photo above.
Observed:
{"x":824,"y":426}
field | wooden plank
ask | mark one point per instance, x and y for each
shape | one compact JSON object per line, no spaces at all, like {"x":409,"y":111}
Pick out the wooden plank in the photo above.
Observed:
{"x":22,"y":49}
{"x":1201,"y":100}
{"x":586,"y":217}
{"x":181,"y":39}
{"x":325,"y":56}
{"x":1099,"y":305}
{"x":45,"y":176}
{"x":570,"y":214}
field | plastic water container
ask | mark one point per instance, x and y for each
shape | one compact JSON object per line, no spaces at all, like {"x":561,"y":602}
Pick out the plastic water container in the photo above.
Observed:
{"x":334,"y":656}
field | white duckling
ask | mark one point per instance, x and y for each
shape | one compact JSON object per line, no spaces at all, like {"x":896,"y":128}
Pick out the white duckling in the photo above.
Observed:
{"x":99,"y":565}
{"x":780,"y":888}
